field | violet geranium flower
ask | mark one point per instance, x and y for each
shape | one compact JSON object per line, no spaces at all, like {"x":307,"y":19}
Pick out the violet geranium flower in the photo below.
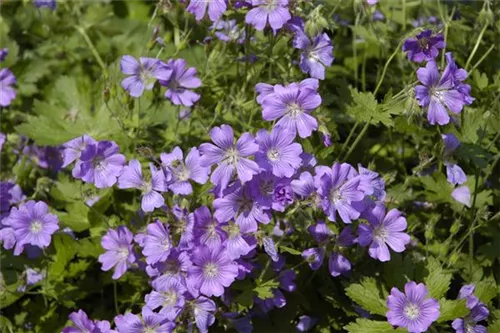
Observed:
{"x":215,"y":9}
{"x":231,"y":157}
{"x":182,"y":171}
{"x":228,"y":31}
{"x":315,"y":56}
{"x":274,"y":11}
{"x":383,"y":230}
{"x":180,"y":83}
{"x":142,"y":74}
{"x":81,"y":323}
{"x":212,"y":270}
{"x":277,"y":152}
{"x":424,"y":47}
{"x":150,"y":322}
{"x":131,"y":177}
{"x":411,"y":309}
{"x":462,"y":195}
{"x":73,"y":149}
{"x":33,"y":224}
{"x":169,"y":296}
{"x":292,"y":105}
{"x":7,"y":93}
{"x":437,"y":94}
{"x":157,"y":242}
{"x":119,"y":251}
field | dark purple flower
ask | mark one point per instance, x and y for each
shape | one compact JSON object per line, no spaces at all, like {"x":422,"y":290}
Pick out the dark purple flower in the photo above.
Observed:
{"x":51,"y":4}
{"x":142,"y":74}
{"x":437,"y":94}
{"x":33,"y":224}
{"x":338,"y":188}
{"x":383,"y":230}
{"x":228,"y":31}
{"x":231,"y":157}
{"x":412,"y":310}
{"x":44,"y":156}
{"x":180,"y":83}
{"x":277,"y":152}
{"x":462,"y":195}
{"x":182,"y":171}
{"x":241,"y":324}
{"x":119,"y":251}
{"x":287,"y":280}
{"x":320,"y":232}
{"x":207,"y":231}
{"x":377,"y":183}
{"x":316,"y":55}
{"x":215,"y":9}
{"x":72,"y":149}
{"x":424,"y":47}
{"x":7,"y":93}
{"x":306,"y":323}
{"x":212,"y":270}
{"x":156,"y":243}
{"x":292,"y":105}
{"x":314,"y":257}
{"x":100,"y":164}
{"x":3,"y":54}
{"x":131,"y":177}
{"x":274,"y":11}
{"x":174,"y":268}
{"x":282,"y":195}
{"x":378,"y":15}
{"x":451,"y":143}
{"x":338,"y":264}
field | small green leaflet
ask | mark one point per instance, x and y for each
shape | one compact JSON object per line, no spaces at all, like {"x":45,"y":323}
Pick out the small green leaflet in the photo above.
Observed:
{"x":368,"y":296}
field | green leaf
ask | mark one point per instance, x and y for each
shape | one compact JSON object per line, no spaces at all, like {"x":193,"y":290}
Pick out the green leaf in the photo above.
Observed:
{"x":266,"y":290}
{"x":365,"y":108}
{"x":438,"y":281}
{"x":368,"y":296}
{"x":89,"y":247}
{"x":437,"y":187}
{"x":290,"y":250}
{"x":451,"y":309}
{"x":77,"y":217}
{"x":245,"y":298}
{"x":6,"y":325}
{"x":481,"y":79}
{"x":65,"y":250}
{"x":363,"y":325}
{"x":486,"y":290}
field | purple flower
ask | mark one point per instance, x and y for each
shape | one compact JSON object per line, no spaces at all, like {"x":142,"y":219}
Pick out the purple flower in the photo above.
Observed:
{"x":73,"y":149}
{"x":207,"y":230}
{"x":215,"y":9}
{"x":412,"y":310}
{"x":33,"y":276}
{"x":33,"y":224}
{"x":469,"y":324}
{"x":277,"y":152}
{"x":3,"y":54}
{"x":314,"y":257}
{"x":237,"y":244}
{"x":212,"y":270}
{"x":371,"y":2}
{"x":228,"y":31}
{"x":462,"y":195}
{"x":378,"y":15}
{"x":45,"y":157}
{"x":203,"y":311}
{"x":156,"y":243}
{"x":119,"y":251}
{"x":377,"y":183}
{"x":82,"y":323}
{"x":183,"y":171}
{"x":142,"y":74}
{"x":169,"y":296}
{"x":320,"y":232}
{"x":292,"y":105}
{"x":51,"y":4}
{"x":437,"y":94}
{"x":270,"y":248}
{"x":282,"y":195}
{"x":315,"y":56}
{"x":306,"y":323}
{"x":131,"y":177}
{"x":466,"y":292}
{"x":274,"y":11}
{"x":7,"y":93}
{"x":455,"y":174}
{"x":338,"y":189}
{"x":180,"y":83}
{"x":456,"y":75}
{"x":338,"y":264}
{"x":383,"y":230}
{"x":240,"y":202}
{"x":424,"y":47}
{"x":304,"y":186}
{"x":174,"y":268}
{"x":151,"y":322}
{"x":100,"y":164}
{"x":229,"y":156}
{"x":451,"y":143}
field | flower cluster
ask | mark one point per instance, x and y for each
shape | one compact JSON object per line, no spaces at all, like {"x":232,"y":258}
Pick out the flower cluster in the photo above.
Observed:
{"x":477,"y":312}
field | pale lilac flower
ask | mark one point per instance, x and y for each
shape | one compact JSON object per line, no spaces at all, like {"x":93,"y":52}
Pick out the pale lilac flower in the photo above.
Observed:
{"x":237,"y":244}
{"x":33,"y":224}
{"x":212,"y":270}
{"x":33,"y":276}
{"x":73,"y":149}
{"x":174,"y":268}
{"x":270,"y":248}
{"x":316,"y":55}
{"x":180,"y":83}
{"x":382,"y":231}
{"x":467,"y":292}
{"x":215,"y":9}
{"x":7,"y":93}
{"x":455,"y":174}
{"x":168,"y":295}
{"x":377,"y":183}
{"x":371,"y":2}
{"x":100,"y":164}
{"x":156,"y":243}
{"x":412,"y":310}
{"x":231,"y":157}
{"x":456,"y":75}
{"x":142,"y":74}
{"x":338,"y":264}
{"x":437,"y":94}
{"x":277,"y":152}
{"x":304,"y":185}
{"x":131,"y":177}
{"x":182,"y":171}
{"x":469,"y":324}
{"x":51,"y":4}
{"x":274,"y":11}
{"x":320,"y":232}
{"x":228,"y":31}
{"x":451,"y":143}
{"x":203,"y":312}
{"x":150,"y":322}
{"x":424,"y":47}
{"x":81,"y":322}
{"x":119,"y":251}
{"x":462,"y":195}
{"x":292,"y":105}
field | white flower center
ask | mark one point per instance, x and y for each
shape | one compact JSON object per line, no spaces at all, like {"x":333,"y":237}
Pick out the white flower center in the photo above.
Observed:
{"x":123,"y":252}
{"x":381,"y":234}
{"x":232,"y":156}
{"x":335,"y":195}
{"x":170,"y":298}
{"x":273,"y":154}
{"x":210,"y":270}
{"x":411,"y":311}
{"x":270,"y":5}
{"x":35,"y":227}
{"x":233,"y":230}
{"x":295,"y":110}
{"x":147,"y":187}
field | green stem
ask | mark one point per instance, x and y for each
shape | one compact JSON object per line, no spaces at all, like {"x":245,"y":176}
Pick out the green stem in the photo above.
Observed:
{"x":398,"y":48}
{"x":482,"y":58}
{"x":474,"y":50}
{"x":473,"y":219}
{"x":93,"y":49}
{"x":351,"y":133}
{"x":115,"y":298}
{"x":358,"y":138}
